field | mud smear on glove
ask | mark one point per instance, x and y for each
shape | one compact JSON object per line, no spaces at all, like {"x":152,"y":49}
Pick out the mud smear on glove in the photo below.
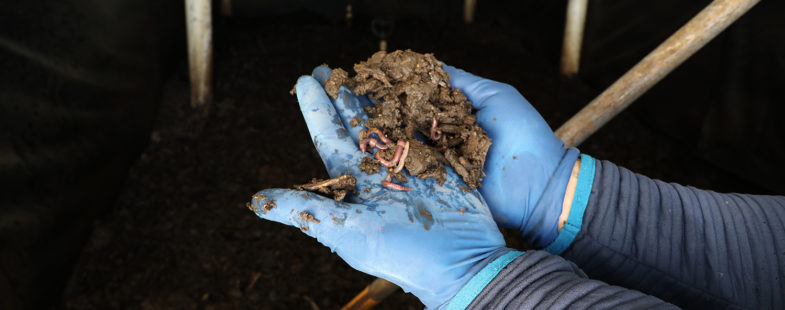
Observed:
{"x":336,"y":187}
{"x":414,"y":103}
{"x":268,"y":204}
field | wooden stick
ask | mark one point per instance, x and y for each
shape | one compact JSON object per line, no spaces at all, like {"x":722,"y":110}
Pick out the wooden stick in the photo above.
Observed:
{"x":654,"y":67}
{"x":372,"y":295}
{"x":573,"y":36}
{"x":325,"y":183}
{"x":199,"y":29}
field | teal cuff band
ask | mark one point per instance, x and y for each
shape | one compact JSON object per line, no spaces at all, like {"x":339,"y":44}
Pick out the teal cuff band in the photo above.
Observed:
{"x":473,"y":288}
{"x":579,"y":202}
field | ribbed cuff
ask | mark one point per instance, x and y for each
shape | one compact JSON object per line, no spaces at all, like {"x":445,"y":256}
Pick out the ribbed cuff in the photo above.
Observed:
{"x":468,"y":292}
{"x":579,"y":202}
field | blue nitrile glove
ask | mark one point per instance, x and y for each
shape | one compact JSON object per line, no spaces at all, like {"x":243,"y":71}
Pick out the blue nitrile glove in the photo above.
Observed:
{"x":527,"y":167}
{"x":430,"y":241}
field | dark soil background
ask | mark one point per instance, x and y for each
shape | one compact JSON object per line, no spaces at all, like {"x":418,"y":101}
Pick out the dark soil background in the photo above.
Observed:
{"x":180,"y":237}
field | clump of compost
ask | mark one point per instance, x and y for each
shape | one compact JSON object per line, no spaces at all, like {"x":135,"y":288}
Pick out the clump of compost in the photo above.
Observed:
{"x":418,"y":120}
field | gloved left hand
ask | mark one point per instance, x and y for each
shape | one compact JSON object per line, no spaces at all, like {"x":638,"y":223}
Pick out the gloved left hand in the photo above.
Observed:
{"x":527,"y":166}
{"x":430,"y":241}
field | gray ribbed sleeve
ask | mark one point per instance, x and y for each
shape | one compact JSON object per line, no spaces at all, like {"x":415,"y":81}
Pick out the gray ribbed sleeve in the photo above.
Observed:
{"x":690,"y":247}
{"x":539,"y":280}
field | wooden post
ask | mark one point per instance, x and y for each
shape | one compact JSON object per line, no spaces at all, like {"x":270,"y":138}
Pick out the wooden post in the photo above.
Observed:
{"x":712,"y":20}
{"x":199,"y":28}
{"x":468,"y":10}
{"x":573,"y":36}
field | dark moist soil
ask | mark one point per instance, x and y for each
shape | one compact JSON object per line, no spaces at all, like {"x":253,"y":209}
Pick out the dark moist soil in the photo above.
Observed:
{"x":369,"y":165}
{"x":180,"y":235}
{"x":410,"y":91}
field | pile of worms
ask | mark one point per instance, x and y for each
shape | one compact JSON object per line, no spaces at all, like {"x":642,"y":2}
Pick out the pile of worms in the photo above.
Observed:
{"x":401,"y":151}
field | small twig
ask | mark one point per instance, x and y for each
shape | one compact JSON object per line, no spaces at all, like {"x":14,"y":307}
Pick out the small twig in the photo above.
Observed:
{"x":326,"y":183}
{"x":311,"y":302}
{"x":254,"y":277}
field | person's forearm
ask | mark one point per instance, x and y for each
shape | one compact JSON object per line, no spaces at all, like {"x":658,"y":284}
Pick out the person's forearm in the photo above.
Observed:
{"x":569,"y":194}
{"x":539,"y":280}
{"x":692,"y":247}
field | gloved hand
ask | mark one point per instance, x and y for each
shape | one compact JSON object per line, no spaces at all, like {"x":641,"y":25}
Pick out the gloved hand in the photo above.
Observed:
{"x":527,"y":167}
{"x":430,"y":241}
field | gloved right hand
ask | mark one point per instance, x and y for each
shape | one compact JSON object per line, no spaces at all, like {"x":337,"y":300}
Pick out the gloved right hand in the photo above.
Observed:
{"x":527,"y":168}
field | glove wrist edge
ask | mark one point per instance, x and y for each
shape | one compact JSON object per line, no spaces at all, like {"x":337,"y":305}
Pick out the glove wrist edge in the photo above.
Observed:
{"x":469,"y":291}
{"x":549,"y":206}
{"x":579,"y":203}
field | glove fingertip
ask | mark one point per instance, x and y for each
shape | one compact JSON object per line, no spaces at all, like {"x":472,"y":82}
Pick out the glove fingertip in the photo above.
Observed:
{"x":315,"y":215}
{"x":460,"y":78}
{"x":284,"y":206}
{"x":305,"y":83}
{"x":265,"y":201}
{"x":449,"y":68}
{"x":452,"y":71}
{"x":310,"y":92}
{"x":321,"y":73}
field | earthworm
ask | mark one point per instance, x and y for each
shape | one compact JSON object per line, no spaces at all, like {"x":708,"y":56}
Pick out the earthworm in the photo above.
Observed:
{"x":381,"y":135}
{"x":392,"y":185}
{"x":398,"y":150}
{"x":436,"y":133}
{"x":387,"y":182}
{"x":403,"y":158}
{"x":373,"y":142}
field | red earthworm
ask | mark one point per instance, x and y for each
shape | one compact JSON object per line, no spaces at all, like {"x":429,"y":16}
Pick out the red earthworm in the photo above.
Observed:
{"x":392,"y":185}
{"x":394,"y":160}
{"x":373,"y":142}
{"x":380,"y":134}
{"x":403,"y":158}
{"x":436,"y":133}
